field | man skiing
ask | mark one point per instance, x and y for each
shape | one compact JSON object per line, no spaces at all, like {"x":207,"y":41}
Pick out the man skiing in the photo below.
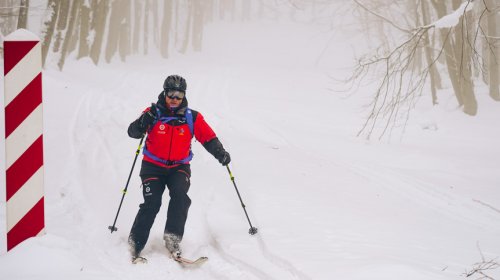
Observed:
{"x":170,"y":126}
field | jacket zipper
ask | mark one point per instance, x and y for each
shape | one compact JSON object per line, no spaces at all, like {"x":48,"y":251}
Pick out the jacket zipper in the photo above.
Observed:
{"x":171,"y":140}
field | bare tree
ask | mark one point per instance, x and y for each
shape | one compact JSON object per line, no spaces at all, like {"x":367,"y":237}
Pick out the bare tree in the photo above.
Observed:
{"x":124,"y":31}
{"x":22,"y":20}
{"x":154,"y":10}
{"x":166,"y":27}
{"x":84,"y":47}
{"x":146,"y":27}
{"x":198,"y":14}
{"x":185,"y":28}
{"x":115,"y":19}
{"x":83,"y":24}
{"x":69,"y":33}
{"x":137,"y":26}
{"x":464,"y":51}
{"x":492,"y":53}
{"x":49,"y":26}
{"x":435,"y":79}
{"x":8,"y":17}
{"x":62,"y":21}
{"x":399,"y":85}
{"x":483,"y":268}
{"x":100,"y":10}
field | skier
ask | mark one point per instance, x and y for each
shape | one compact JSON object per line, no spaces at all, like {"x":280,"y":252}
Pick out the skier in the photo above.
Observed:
{"x":170,"y":126}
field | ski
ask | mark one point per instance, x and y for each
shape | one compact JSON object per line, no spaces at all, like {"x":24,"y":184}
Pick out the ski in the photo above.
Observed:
{"x":179,"y":259}
{"x":139,"y":260}
{"x":184,"y":261}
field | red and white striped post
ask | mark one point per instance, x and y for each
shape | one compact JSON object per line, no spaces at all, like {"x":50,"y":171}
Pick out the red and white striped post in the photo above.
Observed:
{"x":23,"y":136}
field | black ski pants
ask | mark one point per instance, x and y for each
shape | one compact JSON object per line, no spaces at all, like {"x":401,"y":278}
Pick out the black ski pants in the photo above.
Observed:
{"x":177,"y":181}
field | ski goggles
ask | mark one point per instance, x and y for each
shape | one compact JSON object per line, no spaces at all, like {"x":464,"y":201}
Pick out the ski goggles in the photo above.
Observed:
{"x":175,"y":94}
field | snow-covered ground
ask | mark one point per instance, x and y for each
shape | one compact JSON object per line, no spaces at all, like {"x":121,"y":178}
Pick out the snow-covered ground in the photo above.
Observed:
{"x":328,"y":205}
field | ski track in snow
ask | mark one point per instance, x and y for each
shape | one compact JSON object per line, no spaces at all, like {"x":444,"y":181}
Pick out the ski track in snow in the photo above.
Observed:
{"x":411,"y":186}
{"x":280,"y":262}
{"x":224,"y":256}
{"x":87,"y":107}
{"x":273,"y":261}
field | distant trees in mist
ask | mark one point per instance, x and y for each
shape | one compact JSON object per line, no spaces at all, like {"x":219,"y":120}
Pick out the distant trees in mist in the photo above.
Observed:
{"x":103,"y":29}
{"x":416,"y":50}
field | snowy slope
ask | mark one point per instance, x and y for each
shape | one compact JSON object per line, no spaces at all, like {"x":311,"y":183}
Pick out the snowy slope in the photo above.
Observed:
{"x":327,"y":204}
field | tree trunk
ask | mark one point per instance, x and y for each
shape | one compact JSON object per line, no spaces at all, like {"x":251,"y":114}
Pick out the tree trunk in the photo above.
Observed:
{"x":484,"y":41}
{"x":433,"y":73}
{"x":463,"y":53}
{"x":69,"y":33}
{"x":165,"y":28}
{"x":8,"y":19}
{"x":449,"y":54}
{"x":99,"y":16}
{"x":62,"y":20}
{"x":83,"y":48}
{"x":22,"y":20}
{"x":198,"y":7}
{"x":115,"y":19}
{"x":156,"y":28}
{"x":74,"y":34}
{"x":48,"y":27}
{"x":493,"y":53}
{"x":176,"y":22}
{"x":137,"y":26}
{"x":187,"y":28}
{"x":124,"y":31}
{"x":417,"y":60}
{"x":146,"y":27}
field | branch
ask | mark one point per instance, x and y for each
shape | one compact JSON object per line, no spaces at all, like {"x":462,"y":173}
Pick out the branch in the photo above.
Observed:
{"x":399,"y":86}
{"x":482,"y":267}
{"x":381,"y":17}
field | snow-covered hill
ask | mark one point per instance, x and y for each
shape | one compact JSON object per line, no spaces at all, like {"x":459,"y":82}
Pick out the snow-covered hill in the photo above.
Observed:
{"x":328,"y":205}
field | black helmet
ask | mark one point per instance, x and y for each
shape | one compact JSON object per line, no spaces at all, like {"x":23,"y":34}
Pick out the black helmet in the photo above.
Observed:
{"x":175,"y":82}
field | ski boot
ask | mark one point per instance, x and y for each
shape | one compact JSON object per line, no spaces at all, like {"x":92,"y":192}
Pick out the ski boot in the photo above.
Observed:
{"x":172,"y":242}
{"x":136,"y":258}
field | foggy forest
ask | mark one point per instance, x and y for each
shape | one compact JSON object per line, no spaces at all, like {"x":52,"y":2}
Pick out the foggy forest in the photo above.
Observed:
{"x":411,"y":55}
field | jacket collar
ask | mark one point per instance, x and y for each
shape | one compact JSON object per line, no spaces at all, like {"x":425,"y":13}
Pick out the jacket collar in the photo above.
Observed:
{"x":164,"y":110}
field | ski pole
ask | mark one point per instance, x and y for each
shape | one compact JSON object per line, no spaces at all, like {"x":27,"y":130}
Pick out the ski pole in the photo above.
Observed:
{"x":113,"y":228}
{"x":253,"y":230}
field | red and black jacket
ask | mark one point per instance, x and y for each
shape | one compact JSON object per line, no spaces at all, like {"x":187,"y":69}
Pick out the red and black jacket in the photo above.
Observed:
{"x":171,"y":141}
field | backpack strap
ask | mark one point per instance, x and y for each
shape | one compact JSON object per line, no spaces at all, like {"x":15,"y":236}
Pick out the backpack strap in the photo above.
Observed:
{"x":188,"y":115}
{"x":189,"y":120}
{"x":185,"y":160}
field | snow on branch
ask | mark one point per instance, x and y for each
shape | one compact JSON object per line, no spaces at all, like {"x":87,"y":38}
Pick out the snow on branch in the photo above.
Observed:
{"x":451,"y":20}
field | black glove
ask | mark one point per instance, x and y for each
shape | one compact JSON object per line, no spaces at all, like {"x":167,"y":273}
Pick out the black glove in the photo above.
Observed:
{"x":224,"y":158}
{"x":215,"y":147}
{"x":148,"y":117}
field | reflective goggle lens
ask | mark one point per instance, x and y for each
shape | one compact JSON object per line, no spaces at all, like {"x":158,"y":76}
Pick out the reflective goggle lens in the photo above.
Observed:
{"x":175,"y":94}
